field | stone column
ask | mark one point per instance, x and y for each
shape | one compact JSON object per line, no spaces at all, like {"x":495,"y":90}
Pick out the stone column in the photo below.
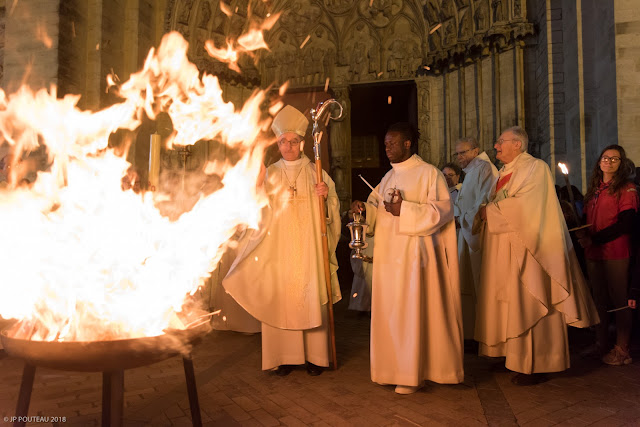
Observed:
{"x":627,"y":38}
{"x":131,"y":45}
{"x":31,"y":45}
{"x":340,"y":140}
{"x":424,"y":119}
{"x":93,"y":80}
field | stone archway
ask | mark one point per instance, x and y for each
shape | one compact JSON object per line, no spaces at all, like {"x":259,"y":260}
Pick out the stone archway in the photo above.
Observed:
{"x":457,"y":51}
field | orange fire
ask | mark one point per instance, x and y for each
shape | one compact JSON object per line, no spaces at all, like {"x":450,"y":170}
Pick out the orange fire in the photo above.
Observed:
{"x":252,"y":40}
{"x":84,"y":260}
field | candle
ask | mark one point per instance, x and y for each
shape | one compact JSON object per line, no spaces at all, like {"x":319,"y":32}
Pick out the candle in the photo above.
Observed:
{"x":154,"y":161}
{"x":565,"y":173}
{"x":372,"y":189}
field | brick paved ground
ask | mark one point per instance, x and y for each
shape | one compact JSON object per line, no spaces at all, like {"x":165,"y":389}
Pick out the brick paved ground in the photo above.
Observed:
{"x":235,"y":392}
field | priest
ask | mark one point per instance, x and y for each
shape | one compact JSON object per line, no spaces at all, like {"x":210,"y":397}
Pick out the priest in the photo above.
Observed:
{"x":480,"y":176}
{"x":416,"y":321}
{"x":531,"y":285}
{"x":280,"y":280}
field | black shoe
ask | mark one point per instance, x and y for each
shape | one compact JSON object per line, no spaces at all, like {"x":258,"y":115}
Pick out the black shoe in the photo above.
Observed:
{"x":283,"y":370}
{"x":314,"y":370}
{"x":526,"y":380}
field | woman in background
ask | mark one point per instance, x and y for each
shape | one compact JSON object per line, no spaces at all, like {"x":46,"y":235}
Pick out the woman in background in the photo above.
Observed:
{"x":611,"y":203}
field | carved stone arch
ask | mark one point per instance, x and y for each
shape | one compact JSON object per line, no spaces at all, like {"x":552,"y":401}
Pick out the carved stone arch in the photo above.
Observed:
{"x":299,"y":16}
{"x":415,"y":12}
{"x":339,"y":7}
{"x":281,"y":63}
{"x":402,"y":49}
{"x":465,"y":23}
{"x":481,"y":15}
{"x":417,"y":25}
{"x":313,"y":8}
{"x":319,"y":57}
{"x":360,"y":54}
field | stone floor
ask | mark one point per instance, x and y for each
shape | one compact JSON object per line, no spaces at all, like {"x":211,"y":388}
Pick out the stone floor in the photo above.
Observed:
{"x":234,"y":391}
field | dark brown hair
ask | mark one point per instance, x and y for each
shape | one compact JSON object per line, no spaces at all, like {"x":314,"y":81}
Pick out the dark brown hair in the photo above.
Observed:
{"x":408,"y":133}
{"x":619,"y":180}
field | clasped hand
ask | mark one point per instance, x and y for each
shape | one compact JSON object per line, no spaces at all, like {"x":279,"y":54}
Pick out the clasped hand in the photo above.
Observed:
{"x":394,"y":207}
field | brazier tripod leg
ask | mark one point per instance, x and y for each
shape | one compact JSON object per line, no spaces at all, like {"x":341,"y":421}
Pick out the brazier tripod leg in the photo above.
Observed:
{"x":24,"y":398}
{"x":112,"y":398}
{"x":192,"y":390}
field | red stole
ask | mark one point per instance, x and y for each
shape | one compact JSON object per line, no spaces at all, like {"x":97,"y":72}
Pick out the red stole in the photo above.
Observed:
{"x":502,"y":182}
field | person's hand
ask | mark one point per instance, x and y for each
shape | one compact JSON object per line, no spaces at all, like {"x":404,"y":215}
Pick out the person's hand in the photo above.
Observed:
{"x":582,"y":233}
{"x":585,"y":242}
{"x":357,"y":206}
{"x":483,"y":213}
{"x":394,"y":207}
{"x":632,"y":303}
{"x":322,"y":189}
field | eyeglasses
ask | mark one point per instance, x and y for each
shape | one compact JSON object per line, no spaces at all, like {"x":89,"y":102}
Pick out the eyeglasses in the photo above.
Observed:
{"x":292,"y":143}
{"x":502,"y":140}
{"x":461,"y":153}
{"x":612,"y":160}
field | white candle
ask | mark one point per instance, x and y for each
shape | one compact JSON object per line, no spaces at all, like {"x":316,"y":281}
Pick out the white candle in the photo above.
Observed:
{"x":154,"y":161}
{"x":372,"y":189}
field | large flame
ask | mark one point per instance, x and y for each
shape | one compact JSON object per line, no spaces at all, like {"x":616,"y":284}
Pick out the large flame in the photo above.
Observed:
{"x":82,"y":259}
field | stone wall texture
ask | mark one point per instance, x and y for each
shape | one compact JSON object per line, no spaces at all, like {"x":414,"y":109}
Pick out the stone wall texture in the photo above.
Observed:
{"x":566,"y":70}
{"x":627,"y":68}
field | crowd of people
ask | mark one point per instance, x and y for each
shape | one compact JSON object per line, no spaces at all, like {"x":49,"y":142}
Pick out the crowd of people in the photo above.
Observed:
{"x":487,"y":258}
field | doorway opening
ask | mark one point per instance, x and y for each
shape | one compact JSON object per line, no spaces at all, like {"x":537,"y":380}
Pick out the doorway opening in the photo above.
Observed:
{"x":375,"y":107}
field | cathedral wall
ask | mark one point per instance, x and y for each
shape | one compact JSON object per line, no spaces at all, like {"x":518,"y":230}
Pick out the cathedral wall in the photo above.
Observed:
{"x":571,"y":80}
{"x":436,"y":125}
{"x":31,"y":44}
{"x":627,"y":69}
{"x":572,"y":154}
{"x":565,"y":70}
{"x":601,"y":115}
{"x":73,"y":65}
{"x":480,"y":99}
{"x":487,"y":126}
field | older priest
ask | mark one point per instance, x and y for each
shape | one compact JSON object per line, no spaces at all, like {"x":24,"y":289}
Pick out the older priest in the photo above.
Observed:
{"x":481,"y":175}
{"x":281,"y":281}
{"x":531,"y":284}
{"x":416,"y":321}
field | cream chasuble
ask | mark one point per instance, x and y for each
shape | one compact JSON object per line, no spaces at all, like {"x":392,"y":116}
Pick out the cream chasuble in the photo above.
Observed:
{"x":480,"y":178}
{"x":230,"y":315}
{"x":416,"y":321}
{"x":280,"y":280}
{"x":531,"y":285}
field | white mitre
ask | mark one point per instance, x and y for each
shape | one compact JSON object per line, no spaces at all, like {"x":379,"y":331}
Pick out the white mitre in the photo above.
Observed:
{"x":289,"y":119}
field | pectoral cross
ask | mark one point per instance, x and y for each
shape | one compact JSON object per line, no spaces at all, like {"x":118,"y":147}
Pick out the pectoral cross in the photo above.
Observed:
{"x":292,"y":191}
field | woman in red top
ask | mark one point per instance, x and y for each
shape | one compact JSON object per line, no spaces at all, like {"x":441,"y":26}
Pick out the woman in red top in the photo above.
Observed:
{"x":610,"y":206}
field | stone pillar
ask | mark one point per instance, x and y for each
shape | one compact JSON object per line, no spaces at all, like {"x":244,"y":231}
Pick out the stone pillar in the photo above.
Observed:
{"x":131,"y":45}
{"x":92,"y":89}
{"x":627,"y":38}
{"x":31,"y":44}
{"x":424,"y":119}
{"x":340,"y":140}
